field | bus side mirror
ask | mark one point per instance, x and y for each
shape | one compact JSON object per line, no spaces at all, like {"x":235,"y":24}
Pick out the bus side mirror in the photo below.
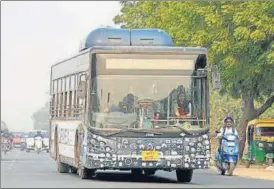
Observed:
{"x":216,"y":78}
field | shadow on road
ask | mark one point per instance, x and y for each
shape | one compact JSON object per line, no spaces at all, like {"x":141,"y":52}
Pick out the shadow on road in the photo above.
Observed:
{"x":128,"y":177}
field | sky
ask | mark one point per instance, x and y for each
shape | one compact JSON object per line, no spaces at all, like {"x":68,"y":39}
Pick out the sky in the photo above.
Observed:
{"x":35,"y":35}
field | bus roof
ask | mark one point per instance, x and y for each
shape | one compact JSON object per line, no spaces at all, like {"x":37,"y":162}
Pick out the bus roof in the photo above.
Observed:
{"x":140,"y":49}
{"x":126,"y":37}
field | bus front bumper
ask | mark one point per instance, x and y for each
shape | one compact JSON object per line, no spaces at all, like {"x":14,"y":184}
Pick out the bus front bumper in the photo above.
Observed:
{"x":128,"y":153}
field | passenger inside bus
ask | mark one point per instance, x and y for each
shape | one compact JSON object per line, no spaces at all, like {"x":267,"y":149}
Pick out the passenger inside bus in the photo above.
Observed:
{"x":182,"y":107}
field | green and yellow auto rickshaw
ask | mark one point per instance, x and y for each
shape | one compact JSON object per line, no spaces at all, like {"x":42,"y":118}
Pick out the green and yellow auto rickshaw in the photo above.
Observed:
{"x":259,"y":147}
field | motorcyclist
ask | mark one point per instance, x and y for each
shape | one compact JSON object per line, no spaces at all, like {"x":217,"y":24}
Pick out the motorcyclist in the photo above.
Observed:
{"x":5,"y":134}
{"x":227,"y":129}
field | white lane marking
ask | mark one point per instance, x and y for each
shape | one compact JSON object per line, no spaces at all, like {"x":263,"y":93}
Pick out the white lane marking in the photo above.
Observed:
{"x":26,"y":174}
{"x":10,"y":166}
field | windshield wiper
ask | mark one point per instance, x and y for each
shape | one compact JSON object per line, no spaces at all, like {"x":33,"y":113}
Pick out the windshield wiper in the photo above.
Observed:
{"x":186,"y":131}
{"x":136,"y":131}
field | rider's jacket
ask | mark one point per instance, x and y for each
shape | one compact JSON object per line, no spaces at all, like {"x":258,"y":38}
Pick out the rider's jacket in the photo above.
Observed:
{"x":227,"y":130}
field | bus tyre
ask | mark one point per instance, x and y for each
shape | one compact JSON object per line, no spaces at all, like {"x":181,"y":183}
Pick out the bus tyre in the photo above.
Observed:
{"x":247,"y":163}
{"x":136,"y":172}
{"x":149,"y":172}
{"x":184,"y":175}
{"x":231,"y":169}
{"x":62,"y":167}
{"x":270,"y":161}
{"x":85,"y":173}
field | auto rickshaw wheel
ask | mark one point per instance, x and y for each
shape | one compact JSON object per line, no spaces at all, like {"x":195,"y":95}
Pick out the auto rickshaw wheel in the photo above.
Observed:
{"x":247,"y":163}
{"x":270,"y":161}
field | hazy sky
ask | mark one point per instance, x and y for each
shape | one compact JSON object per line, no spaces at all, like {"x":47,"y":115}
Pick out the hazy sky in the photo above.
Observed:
{"x":35,"y":35}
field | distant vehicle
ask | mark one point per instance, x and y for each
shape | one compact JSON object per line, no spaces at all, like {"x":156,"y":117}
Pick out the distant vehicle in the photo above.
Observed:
{"x":30,"y":141}
{"x":16,"y":139}
{"x":5,"y":145}
{"x":23,"y":144}
{"x":37,"y":144}
{"x":259,"y":147}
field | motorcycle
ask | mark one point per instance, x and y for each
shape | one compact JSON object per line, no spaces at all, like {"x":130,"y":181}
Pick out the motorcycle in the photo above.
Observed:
{"x":23,"y":144}
{"x":5,"y":145}
{"x":38,"y":142}
{"x":227,"y":156}
{"x":30,"y":144}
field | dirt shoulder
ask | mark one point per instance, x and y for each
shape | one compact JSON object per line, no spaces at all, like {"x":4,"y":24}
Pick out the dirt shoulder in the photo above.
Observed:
{"x":255,"y":172}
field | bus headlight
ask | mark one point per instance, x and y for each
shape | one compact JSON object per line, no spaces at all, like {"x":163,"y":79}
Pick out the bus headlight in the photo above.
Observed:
{"x":102,"y":144}
{"x":93,"y":141}
{"x":206,"y":142}
{"x":108,"y":149}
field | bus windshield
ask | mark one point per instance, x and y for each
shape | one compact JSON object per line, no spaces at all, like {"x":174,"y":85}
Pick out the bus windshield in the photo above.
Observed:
{"x":125,"y":100}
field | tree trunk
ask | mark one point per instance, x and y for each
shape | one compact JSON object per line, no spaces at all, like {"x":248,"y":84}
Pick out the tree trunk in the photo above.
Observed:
{"x":249,"y":114}
{"x":242,"y":134}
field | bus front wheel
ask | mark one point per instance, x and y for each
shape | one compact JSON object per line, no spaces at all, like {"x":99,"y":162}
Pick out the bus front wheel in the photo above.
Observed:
{"x":184,"y":175}
{"x":85,"y":173}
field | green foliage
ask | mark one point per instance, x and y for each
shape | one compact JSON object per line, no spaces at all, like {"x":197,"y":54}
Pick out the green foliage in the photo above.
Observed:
{"x":240,"y":39}
{"x":222,"y":106}
{"x":239,"y":35}
{"x":268,"y":114}
{"x":41,"y":117}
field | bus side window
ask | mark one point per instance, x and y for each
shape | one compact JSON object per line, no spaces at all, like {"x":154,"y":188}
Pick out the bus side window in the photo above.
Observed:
{"x":67,"y":97}
{"x":73,"y":87}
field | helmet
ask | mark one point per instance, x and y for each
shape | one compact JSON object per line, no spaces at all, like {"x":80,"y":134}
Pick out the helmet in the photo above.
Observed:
{"x":228,"y":118}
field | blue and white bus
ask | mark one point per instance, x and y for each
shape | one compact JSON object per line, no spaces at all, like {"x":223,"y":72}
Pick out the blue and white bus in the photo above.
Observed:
{"x":131,"y":100}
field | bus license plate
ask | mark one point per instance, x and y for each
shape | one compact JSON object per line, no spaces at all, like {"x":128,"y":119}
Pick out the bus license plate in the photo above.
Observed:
{"x":150,"y":156}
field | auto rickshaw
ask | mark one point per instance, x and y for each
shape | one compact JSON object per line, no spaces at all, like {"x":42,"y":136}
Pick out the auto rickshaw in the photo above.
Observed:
{"x":259,"y":147}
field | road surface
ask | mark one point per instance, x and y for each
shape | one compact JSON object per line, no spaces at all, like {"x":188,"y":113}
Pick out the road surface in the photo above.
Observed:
{"x":30,"y":170}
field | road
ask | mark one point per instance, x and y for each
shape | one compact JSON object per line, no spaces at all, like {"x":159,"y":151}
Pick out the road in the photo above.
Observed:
{"x":29,"y":170}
